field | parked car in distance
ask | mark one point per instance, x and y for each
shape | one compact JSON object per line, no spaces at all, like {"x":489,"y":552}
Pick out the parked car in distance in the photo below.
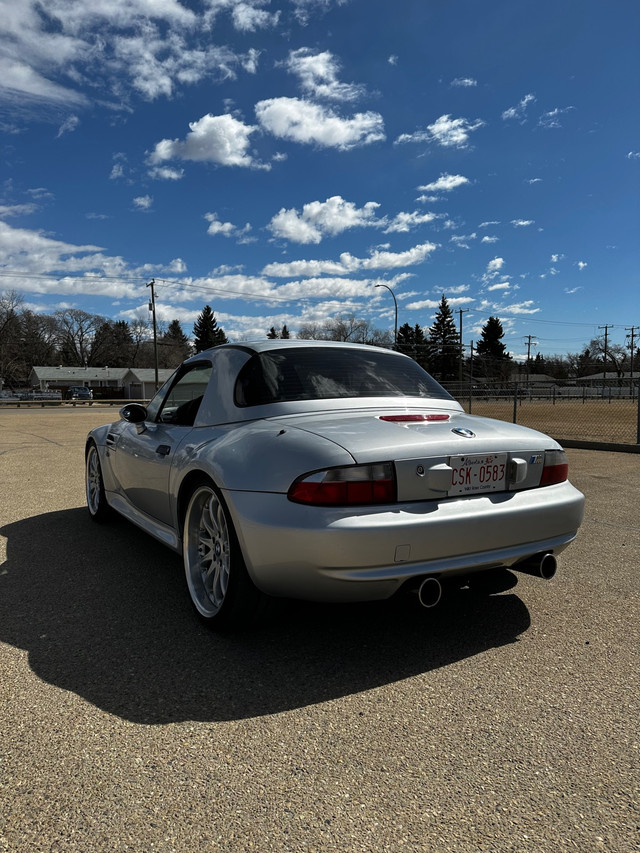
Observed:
{"x":327,"y":472}
{"x":80,"y":392}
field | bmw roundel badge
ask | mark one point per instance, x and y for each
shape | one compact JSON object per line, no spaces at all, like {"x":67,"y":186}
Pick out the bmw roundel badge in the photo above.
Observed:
{"x":465,"y":433}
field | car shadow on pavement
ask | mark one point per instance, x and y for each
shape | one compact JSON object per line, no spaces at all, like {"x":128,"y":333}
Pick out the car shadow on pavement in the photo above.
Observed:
{"x":103,"y":611}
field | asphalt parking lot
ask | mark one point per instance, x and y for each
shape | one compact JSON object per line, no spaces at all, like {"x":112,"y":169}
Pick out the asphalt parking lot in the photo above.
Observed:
{"x":503,"y":722}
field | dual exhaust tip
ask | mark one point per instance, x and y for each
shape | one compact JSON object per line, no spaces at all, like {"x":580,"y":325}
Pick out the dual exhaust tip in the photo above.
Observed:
{"x":540,"y":566}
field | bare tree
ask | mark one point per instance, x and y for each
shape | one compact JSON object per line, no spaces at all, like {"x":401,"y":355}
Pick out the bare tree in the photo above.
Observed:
{"x":76,"y":332}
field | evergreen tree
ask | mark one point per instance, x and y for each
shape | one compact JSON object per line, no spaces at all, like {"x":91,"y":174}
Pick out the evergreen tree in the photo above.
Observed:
{"x":412,"y":342}
{"x":112,"y":345}
{"x":273,"y":333}
{"x":421,"y":346}
{"x":491,"y":352}
{"x":206,"y":333}
{"x":173,"y":346}
{"x":444,"y":344}
{"x":405,"y":341}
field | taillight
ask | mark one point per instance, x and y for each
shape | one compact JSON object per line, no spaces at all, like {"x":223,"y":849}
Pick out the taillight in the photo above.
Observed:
{"x":556,"y":468}
{"x":355,"y":485}
{"x":402,"y":419}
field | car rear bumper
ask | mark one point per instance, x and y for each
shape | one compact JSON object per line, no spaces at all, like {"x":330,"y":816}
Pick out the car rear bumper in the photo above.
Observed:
{"x":368,"y":553}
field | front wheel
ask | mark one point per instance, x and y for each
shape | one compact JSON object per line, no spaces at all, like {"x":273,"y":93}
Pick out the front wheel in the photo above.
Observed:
{"x":219,"y":585}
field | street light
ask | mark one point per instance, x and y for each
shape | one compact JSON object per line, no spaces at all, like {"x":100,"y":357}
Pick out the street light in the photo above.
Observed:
{"x":395,"y":302}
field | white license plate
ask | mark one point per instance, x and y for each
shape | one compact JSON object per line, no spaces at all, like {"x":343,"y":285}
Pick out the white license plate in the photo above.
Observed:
{"x":483,"y":472}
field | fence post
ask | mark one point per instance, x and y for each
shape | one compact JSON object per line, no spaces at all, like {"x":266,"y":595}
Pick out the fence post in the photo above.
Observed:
{"x":638,"y":429}
{"x":515,"y":403}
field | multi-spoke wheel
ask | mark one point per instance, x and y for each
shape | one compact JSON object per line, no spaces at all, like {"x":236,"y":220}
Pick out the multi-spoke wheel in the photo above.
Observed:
{"x":218,"y":582}
{"x":97,"y":505}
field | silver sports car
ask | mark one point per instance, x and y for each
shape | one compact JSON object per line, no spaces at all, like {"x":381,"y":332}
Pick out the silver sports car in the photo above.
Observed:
{"x":328,"y":472}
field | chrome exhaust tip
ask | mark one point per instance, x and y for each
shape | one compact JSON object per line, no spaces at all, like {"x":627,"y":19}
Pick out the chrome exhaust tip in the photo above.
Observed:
{"x":430,"y":592}
{"x":542,"y":566}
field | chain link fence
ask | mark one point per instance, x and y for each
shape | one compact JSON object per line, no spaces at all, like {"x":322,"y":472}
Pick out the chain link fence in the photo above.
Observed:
{"x":582,"y":414}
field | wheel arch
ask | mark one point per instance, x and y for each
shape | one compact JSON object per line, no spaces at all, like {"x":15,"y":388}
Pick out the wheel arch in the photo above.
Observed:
{"x":187,"y":486}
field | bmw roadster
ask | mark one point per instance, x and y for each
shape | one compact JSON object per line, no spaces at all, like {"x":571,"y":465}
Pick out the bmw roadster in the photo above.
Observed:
{"x":328,"y":472}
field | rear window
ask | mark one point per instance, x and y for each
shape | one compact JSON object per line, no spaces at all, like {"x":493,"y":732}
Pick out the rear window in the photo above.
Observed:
{"x":281,"y":376}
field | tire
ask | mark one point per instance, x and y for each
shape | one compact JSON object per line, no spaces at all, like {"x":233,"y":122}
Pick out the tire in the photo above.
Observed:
{"x":219,"y":585}
{"x":99,"y":509}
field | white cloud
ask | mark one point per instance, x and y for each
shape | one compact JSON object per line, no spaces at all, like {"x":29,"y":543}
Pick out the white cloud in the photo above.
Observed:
{"x":464,"y":82}
{"x":248,"y":16}
{"x":505,"y":285}
{"x":220,"y":139}
{"x":556,"y":257}
{"x":393,"y":59}
{"x":495,"y":265}
{"x":320,"y":219}
{"x":434,"y":303}
{"x":404,"y":222}
{"x":581,"y":265}
{"x":348,"y":263}
{"x":519,"y":112}
{"x":459,"y":288}
{"x":166,"y":173}
{"x":143,"y":202}
{"x":68,"y":126}
{"x":489,"y":224}
{"x":446,"y":131}
{"x":301,"y":121}
{"x":522,"y":223}
{"x":521,"y":308}
{"x":534,"y":180}
{"x":156,"y":45}
{"x":551,"y":119}
{"x":7,"y":210}
{"x":488,"y":239}
{"x":225,"y":229}
{"x":462,"y":240}
{"x":318,"y":74}
{"x":633,"y":155}
{"x":445,"y":183}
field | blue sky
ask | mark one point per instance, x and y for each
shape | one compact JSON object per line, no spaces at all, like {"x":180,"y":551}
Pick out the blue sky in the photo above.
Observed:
{"x":277,"y":159}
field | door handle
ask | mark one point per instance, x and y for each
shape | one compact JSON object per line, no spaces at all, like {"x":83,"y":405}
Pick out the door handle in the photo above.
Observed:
{"x":163,"y":449}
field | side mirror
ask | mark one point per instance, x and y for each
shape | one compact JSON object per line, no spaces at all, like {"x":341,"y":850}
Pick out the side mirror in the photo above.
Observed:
{"x":135,"y":413}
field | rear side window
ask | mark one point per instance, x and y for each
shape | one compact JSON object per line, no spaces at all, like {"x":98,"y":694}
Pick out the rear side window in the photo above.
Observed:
{"x":281,"y":376}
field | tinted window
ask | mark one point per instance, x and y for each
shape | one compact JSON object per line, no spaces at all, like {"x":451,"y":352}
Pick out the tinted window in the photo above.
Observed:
{"x":281,"y":376}
{"x":183,"y":400}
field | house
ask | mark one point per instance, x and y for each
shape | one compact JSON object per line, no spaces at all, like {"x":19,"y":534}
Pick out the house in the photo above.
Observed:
{"x":130,"y":383}
{"x":140,"y":382}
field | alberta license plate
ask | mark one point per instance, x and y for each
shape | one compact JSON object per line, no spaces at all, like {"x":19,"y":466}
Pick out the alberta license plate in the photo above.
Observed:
{"x":478,"y":473}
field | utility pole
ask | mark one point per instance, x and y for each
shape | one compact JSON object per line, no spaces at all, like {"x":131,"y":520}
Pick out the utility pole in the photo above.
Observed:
{"x":471,"y":377}
{"x":530,"y":343}
{"x":632,"y":330}
{"x":152,"y":308}
{"x":461,"y":311}
{"x":606,"y":351}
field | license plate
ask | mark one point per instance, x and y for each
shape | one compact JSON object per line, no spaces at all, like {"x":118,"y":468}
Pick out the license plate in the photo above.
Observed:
{"x":486,"y":472}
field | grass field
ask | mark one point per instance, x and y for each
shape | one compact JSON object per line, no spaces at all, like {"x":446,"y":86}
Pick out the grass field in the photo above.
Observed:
{"x":593,"y":420}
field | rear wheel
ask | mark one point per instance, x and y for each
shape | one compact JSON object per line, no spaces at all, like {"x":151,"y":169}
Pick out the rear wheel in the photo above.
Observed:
{"x":219,"y":585}
{"x":97,"y":505}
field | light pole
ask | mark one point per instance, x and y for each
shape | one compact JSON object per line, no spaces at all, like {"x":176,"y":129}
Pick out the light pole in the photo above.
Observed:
{"x":395,"y":302}
{"x":152,"y":308}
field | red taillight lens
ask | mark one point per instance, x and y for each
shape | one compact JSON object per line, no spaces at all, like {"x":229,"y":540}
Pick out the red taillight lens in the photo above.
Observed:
{"x":556,"y":468}
{"x":356,"y":485}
